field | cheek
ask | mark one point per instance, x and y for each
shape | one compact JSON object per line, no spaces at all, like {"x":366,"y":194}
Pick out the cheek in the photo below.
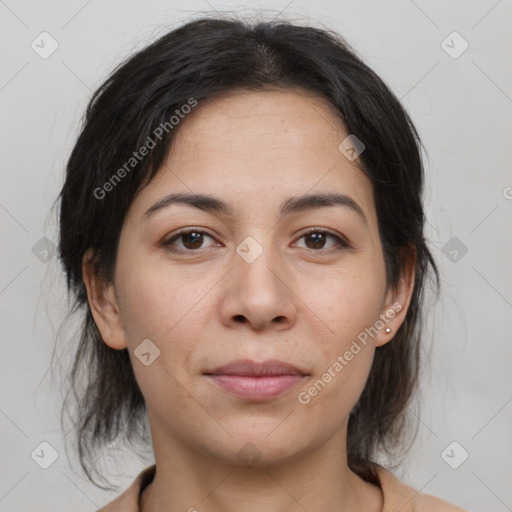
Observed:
{"x":152,"y":307}
{"x":154,"y":301}
{"x":344,"y":363}
{"x":350,"y":300}
{"x":350,"y":306}
{"x":331,"y":396}
{"x":171,"y":309}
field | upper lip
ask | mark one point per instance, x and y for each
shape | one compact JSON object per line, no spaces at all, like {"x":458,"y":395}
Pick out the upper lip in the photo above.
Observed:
{"x":248,"y":367}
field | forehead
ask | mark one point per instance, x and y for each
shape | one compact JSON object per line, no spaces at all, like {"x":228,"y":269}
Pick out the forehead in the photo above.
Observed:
{"x":244,"y":121}
{"x":253,"y":148}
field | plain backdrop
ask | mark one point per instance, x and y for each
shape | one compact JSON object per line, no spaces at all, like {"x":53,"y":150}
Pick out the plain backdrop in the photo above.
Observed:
{"x":459,"y":98}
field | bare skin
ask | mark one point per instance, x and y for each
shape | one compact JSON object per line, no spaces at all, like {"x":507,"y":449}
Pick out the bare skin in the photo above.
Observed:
{"x":303,"y":301}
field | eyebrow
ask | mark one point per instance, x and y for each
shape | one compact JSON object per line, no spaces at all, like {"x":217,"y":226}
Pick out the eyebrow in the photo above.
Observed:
{"x":296,"y":204}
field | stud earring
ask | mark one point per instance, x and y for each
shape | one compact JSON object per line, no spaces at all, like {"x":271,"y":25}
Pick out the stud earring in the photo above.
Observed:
{"x":388,"y":330}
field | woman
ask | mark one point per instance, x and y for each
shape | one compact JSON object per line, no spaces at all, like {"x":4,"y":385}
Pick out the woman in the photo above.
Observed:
{"x":242,"y":226}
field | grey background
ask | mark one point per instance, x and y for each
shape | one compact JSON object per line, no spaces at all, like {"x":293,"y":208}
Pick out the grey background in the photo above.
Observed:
{"x":462,"y":108}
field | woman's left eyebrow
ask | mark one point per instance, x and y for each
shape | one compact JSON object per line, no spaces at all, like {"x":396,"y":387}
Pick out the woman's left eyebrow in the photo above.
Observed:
{"x":294,"y":204}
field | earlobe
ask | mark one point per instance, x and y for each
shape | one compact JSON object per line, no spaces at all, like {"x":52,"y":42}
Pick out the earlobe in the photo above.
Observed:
{"x":396,"y":303}
{"x":103,"y":304}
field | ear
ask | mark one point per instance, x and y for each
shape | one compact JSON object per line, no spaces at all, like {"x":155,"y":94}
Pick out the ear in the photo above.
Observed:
{"x":397,"y":299}
{"x":103,"y":304}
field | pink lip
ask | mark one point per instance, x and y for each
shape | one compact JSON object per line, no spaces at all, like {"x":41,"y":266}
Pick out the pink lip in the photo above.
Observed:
{"x":256,"y":381}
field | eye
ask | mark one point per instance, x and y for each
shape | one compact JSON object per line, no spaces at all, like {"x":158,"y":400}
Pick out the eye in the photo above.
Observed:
{"x":316,"y":239}
{"x":191,"y":240}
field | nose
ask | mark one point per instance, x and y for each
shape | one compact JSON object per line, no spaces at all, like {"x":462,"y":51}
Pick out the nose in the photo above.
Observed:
{"x":259,"y":294}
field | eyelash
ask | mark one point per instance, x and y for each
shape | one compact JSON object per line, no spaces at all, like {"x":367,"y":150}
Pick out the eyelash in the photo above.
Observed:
{"x":341,"y":243}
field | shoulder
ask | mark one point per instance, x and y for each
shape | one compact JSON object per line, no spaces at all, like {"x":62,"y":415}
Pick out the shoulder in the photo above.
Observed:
{"x":400,"y":496}
{"x":128,"y":501}
{"x":427,"y":503}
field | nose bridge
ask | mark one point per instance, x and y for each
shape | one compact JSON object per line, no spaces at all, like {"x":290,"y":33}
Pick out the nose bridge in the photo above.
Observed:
{"x":258,"y":264}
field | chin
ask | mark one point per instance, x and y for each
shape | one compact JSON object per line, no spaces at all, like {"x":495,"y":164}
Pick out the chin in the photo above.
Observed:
{"x":257,"y":447}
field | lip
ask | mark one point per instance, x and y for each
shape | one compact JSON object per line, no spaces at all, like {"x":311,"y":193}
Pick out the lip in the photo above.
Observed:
{"x":256,"y":381}
{"x":246,"y":367}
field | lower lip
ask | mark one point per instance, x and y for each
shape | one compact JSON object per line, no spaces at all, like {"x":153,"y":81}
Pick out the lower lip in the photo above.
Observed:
{"x":256,"y":388}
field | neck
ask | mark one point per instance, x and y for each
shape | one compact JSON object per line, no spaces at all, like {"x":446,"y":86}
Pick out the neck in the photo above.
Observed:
{"x":316,"y":482}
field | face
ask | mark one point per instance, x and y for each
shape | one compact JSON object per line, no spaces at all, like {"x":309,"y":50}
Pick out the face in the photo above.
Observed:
{"x":270,"y":275}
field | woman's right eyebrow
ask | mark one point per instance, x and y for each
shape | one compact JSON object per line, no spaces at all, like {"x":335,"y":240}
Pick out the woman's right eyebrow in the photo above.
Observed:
{"x":204,"y":202}
{"x":294,"y":204}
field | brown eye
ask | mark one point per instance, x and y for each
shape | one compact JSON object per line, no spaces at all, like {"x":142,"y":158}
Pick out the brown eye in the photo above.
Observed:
{"x":316,"y":239}
{"x":191,"y":240}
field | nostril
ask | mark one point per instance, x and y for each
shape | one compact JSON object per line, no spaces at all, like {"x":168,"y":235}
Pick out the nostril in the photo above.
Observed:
{"x":240,"y":318}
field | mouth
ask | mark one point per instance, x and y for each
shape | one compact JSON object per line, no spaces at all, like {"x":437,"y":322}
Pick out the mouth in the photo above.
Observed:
{"x":256,"y":381}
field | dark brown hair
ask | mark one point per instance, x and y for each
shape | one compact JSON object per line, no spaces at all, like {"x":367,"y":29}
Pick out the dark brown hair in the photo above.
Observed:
{"x":204,"y":59}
